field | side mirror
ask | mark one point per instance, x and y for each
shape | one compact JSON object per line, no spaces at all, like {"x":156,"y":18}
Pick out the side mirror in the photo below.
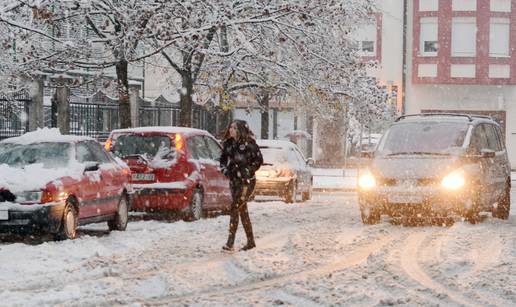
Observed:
{"x":487,"y":153}
{"x":91,"y":166}
{"x":367,"y":154}
{"x":310,"y":162}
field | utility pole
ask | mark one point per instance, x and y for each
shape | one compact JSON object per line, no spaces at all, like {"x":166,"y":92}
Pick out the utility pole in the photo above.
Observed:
{"x":404,"y":72}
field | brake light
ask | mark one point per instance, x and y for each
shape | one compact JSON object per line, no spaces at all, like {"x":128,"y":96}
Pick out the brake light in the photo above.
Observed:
{"x":108,"y":144}
{"x":179,"y":142}
{"x":285,"y":173}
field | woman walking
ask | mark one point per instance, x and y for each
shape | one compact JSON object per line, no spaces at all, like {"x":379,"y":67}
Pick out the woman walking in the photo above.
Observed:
{"x":240,"y":159}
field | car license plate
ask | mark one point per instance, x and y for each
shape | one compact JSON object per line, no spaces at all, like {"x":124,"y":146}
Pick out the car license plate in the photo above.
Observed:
{"x":405,"y":199}
{"x":4,"y":215}
{"x":142,"y":177}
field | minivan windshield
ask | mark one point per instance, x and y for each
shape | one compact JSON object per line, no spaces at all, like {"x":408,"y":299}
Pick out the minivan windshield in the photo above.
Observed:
{"x":426,"y":137}
{"x":147,"y":146}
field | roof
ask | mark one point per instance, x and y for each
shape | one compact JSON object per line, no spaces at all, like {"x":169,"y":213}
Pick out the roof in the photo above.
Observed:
{"x":45,"y":135}
{"x":275,"y":143}
{"x":161,"y":129}
{"x":445,"y":116}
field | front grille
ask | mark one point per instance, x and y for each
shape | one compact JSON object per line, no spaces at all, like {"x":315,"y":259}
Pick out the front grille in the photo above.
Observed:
{"x":383,"y":181}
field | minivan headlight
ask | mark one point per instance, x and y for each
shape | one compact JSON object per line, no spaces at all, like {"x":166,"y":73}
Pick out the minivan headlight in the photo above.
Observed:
{"x":366,"y":181}
{"x":454,"y":181}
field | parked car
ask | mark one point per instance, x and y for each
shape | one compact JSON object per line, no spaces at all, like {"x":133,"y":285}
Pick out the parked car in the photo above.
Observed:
{"x":173,"y":169}
{"x":285,"y":173}
{"x":437,"y":165}
{"x":52,"y":183}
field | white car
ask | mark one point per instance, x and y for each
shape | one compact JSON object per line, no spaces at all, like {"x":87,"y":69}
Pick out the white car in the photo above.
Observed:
{"x":285,"y":173}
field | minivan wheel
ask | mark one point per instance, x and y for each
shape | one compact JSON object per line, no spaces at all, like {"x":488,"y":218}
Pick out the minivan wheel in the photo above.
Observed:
{"x":504,"y":205}
{"x":369,"y":216}
{"x":119,"y":222}
{"x":68,"y":229}
{"x":290,"y":196}
{"x":195,"y":208}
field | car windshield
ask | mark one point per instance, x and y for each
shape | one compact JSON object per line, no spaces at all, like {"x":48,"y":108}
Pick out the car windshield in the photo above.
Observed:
{"x":51,"y":155}
{"x":423,"y":138}
{"x":273,"y":155}
{"x":147,"y":146}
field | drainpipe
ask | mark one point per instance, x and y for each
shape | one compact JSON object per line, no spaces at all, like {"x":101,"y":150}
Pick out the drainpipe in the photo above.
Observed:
{"x":404,"y":73}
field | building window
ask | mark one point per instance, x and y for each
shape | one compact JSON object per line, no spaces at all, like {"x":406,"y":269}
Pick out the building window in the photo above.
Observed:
{"x":428,"y":37}
{"x":499,"y":31}
{"x":366,"y":38}
{"x":464,"y":37}
{"x":464,"y":5}
{"x":428,"y":5}
{"x":500,"y":5}
{"x":368,"y":47}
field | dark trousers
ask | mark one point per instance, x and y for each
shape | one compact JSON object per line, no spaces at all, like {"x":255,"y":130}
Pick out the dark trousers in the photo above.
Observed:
{"x":240,"y":193}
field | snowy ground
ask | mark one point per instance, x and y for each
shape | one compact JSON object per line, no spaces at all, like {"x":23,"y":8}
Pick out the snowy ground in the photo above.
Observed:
{"x":311,"y":254}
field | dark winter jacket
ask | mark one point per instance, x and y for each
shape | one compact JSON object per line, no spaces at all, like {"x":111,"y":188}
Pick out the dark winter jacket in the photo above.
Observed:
{"x":240,"y":160}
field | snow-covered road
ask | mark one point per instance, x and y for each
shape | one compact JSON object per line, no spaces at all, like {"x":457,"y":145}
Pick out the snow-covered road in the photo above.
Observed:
{"x":311,"y":254}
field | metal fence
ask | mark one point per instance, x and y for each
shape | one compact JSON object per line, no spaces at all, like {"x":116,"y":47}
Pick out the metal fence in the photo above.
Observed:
{"x":14,"y":114}
{"x":96,"y":115}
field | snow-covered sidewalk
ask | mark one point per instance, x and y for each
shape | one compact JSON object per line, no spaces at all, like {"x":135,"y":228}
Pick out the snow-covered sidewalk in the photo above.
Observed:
{"x":334,"y":179}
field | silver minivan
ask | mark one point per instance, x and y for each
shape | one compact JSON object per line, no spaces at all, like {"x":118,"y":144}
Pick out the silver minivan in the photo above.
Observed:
{"x":437,"y":165}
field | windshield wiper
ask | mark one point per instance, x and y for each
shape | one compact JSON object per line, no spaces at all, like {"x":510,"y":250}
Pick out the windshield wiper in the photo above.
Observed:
{"x":422,"y":153}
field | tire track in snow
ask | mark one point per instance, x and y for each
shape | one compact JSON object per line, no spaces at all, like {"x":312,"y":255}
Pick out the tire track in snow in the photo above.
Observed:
{"x":485,"y":251}
{"x":358,"y":256}
{"x":409,"y":263}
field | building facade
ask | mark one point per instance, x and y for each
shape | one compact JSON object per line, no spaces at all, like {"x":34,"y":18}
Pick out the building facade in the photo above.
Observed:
{"x":458,"y":55}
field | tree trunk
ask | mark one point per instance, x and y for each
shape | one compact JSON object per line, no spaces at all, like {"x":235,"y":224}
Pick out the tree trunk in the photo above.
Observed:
{"x":123,"y":94}
{"x":63,"y":109}
{"x":186,"y":102}
{"x":263,"y":100}
{"x":35,"y":110}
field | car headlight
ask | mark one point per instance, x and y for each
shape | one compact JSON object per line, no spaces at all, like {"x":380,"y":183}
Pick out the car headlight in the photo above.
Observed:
{"x":29,"y":197}
{"x":454,"y":181}
{"x":366,"y":181}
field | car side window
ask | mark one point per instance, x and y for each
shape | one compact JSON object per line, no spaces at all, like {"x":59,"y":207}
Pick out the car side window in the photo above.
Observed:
{"x":199,"y":148}
{"x":84,"y":153}
{"x":478,"y":140}
{"x":98,"y":152}
{"x":192,"y":148}
{"x":501,"y":138}
{"x":492,"y":138}
{"x":214,"y":148}
{"x":300,"y":157}
{"x":203,"y":150}
{"x":292,"y":158}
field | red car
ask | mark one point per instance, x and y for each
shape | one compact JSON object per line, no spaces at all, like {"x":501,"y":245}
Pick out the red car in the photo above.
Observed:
{"x":173,"y":169}
{"x":52,"y":183}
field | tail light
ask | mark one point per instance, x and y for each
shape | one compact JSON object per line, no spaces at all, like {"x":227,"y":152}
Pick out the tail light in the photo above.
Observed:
{"x":179,"y":142}
{"x":284,"y":172}
{"x":108,"y":144}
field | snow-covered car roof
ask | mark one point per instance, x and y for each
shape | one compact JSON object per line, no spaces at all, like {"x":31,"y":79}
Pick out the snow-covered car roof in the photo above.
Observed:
{"x":276,"y":143}
{"x":44,"y":135}
{"x":161,"y":129}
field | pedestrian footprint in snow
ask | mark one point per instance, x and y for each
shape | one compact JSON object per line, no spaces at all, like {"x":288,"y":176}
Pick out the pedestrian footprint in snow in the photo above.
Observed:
{"x":240,"y":159}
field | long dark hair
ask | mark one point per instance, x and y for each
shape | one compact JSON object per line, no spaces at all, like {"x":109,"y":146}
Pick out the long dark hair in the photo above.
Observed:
{"x":244,"y":133}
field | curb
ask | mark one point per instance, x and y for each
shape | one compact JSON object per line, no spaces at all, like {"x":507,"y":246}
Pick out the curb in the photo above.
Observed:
{"x":334,"y":189}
